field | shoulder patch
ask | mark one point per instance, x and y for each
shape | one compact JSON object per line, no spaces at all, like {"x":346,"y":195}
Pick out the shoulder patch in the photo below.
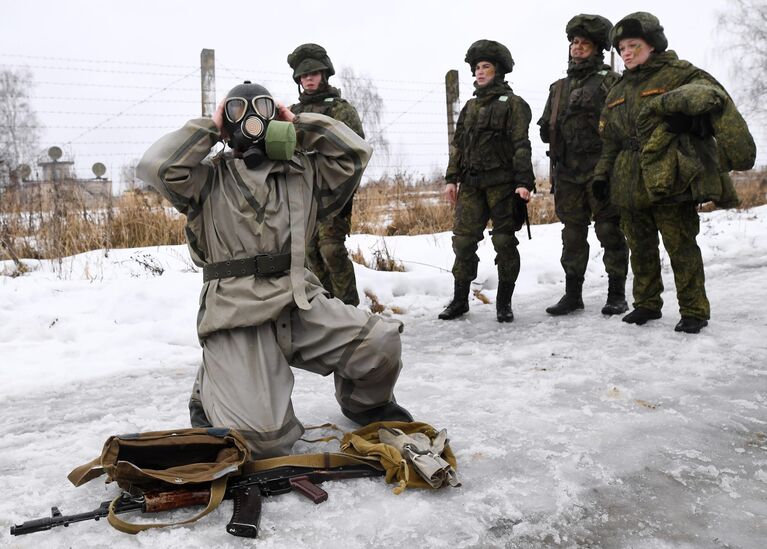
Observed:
{"x":615,"y":103}
{"x":329,"y":99}
{"x":654,"y":91}
{"x":603,"y":72}
{"x":503,"y":98}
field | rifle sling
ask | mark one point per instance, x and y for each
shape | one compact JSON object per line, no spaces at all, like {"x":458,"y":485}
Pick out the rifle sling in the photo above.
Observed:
{"x":327,"y":460}
{"x":558,"y":89}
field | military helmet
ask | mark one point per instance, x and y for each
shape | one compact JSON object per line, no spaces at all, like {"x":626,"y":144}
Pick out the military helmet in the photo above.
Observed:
{"x":594,"y":27}
{"x":640,"y":25}
{"x":308,"y":58}
{"x":490,"y":50}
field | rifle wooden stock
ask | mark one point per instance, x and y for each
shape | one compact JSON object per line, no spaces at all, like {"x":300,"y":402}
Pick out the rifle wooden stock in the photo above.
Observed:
{"x":154,"y":502}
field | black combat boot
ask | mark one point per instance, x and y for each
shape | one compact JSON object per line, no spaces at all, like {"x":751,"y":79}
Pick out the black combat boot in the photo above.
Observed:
{"x":616,"y":296}
{"x":640,"y":316}
{"x":460,"y":303}
{"x":572,"y":300}
{"x":690,"y":325}
{"x":391,"y":411}
{"x":503,"y":302}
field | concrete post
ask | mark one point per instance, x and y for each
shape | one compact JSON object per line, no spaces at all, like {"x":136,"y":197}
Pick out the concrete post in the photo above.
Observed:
{"x":453,"y":107}
{"x":208,"y":81}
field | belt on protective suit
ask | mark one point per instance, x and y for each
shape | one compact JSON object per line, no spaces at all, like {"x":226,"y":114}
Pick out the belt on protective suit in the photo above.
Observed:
{"x":260,"y":265}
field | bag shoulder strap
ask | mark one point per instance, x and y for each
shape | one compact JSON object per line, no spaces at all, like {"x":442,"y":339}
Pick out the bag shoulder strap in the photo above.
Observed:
{"x":86,"y":472}
{"x":217,"y":492}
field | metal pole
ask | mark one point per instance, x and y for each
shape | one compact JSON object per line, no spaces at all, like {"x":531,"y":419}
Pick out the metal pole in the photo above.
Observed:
{"x":208,"y":81}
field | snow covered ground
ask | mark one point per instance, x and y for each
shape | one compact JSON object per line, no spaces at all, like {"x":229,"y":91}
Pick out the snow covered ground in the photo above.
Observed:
{"x":579,"y":431}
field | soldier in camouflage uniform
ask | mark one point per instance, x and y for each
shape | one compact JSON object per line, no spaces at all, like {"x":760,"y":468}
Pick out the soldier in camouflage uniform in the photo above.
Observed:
{"x":489,"y":176}
{"x":658,"y":155}
{"x":570,"y":125}
{"x":326,"y":250}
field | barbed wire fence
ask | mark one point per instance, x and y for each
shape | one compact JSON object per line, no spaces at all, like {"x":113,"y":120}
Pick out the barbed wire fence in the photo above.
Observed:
{"x":111,"y":111}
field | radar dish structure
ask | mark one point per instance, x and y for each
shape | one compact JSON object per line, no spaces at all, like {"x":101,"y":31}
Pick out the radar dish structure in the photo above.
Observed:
{"x":99,"y":169}
{"x":55,"y":153}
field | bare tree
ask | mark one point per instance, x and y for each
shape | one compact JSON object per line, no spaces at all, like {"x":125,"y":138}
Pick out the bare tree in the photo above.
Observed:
{"x":745,"y":23}
{"x":363,"y":94}
{"x":19,"y":127}
{"x":128,"y":177}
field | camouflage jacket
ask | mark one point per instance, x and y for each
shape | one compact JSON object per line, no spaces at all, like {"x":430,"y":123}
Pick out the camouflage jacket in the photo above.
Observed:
{"x":645,"y":162}
{"x":574,"y":142}
{"x":491,"y":145}
{"x":330,"y":103}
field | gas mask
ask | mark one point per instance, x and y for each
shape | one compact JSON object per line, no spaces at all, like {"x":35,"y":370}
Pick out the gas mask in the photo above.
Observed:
{"x":249,"y":119}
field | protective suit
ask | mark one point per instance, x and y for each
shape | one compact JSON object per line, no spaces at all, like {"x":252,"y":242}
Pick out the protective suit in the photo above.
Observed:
{"x":253,"y":327}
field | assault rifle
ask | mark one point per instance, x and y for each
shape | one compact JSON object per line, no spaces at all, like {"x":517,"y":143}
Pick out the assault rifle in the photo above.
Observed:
{"x":246,"y":491}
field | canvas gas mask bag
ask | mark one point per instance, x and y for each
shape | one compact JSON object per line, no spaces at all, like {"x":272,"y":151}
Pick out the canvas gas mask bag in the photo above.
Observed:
{"x":160,"y":460}
{"x":413,"y":454}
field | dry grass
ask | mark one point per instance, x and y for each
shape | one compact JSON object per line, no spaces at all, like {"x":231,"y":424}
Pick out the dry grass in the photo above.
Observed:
{"x":406,"y":206}
{"x":377,"y":307}
{"x":131,"y":221}
{"x":402,"y":205}
{"x":751,"y":187}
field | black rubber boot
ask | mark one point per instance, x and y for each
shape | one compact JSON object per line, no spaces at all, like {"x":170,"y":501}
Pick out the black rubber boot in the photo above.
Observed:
{"x":460,"y":303}
{"x":616,"y":296}
{"x":690,"y":325}
{"x":391,"y":411}
{"x":197,"y":415}
{"x":571,"y":301}
{"x":641,"y":315}
{"x":503,"y":302}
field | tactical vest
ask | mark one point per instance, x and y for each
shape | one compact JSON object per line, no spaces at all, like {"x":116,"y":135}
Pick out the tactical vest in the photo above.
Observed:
{"x":487,"y":155}
{"x":579,"y":145}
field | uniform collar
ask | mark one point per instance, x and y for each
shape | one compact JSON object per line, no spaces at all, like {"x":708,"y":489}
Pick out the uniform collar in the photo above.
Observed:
{"x":320,"y":95}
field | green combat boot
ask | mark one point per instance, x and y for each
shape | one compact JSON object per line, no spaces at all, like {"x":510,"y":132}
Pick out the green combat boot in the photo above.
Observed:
{"x":460,"y":303}
{"x":503,"y":302}
{"x":572,"y":300}
{"x":616,"y":296}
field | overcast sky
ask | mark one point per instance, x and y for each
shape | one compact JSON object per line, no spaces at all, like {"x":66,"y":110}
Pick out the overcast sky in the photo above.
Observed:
{"x":112,"y":77}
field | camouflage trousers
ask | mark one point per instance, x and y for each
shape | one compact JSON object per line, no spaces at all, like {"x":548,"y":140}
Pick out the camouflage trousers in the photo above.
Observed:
{"x":474,"y":209}
{"x":329,"y":260}
{"x":678,"y":225}
{"x":575,"y":207}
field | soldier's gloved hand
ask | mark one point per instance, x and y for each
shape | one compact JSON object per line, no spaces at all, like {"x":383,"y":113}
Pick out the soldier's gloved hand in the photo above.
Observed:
{"x":702,"y":126}
{"x":678,"y":122}
{"x":423,"y":454}
{"x":600,"y":188}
